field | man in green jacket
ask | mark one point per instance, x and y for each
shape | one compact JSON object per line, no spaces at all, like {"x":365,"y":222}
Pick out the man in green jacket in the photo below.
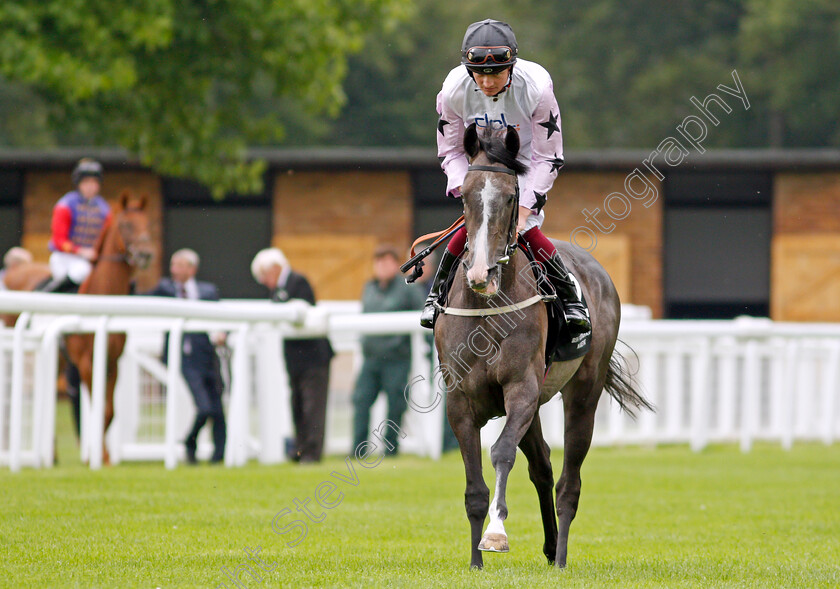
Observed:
{"x":386,"y":358}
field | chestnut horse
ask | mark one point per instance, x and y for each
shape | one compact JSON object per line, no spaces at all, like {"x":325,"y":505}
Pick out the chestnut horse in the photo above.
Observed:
{"x":124,"y":246}
{"x":493,"y":356}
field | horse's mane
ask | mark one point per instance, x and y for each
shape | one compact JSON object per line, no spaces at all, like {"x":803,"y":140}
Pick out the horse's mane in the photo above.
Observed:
{"x":494,"y":148}
{"x":100,"y":241}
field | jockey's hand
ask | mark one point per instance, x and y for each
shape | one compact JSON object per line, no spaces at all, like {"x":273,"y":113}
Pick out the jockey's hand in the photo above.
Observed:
{"x":524,"y":213}
{"x":87,"y":253}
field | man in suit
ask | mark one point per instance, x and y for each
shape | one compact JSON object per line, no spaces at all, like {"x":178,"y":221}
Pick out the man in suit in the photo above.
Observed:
{"x":307,"y":360}
{"x":199,"y":362}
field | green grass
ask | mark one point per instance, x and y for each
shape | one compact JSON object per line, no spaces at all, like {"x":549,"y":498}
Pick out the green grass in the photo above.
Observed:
{"x":648,"y":518}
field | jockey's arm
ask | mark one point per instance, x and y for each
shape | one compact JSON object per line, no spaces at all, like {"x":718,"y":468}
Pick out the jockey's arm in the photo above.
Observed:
{"x":62,"y":219}
{"x":450,"y":143}
{"x":546,"y":151}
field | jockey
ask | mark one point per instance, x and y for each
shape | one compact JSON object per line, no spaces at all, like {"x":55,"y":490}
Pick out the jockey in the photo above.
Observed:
{"x":78,"y":219}
{"x":494,"y":89}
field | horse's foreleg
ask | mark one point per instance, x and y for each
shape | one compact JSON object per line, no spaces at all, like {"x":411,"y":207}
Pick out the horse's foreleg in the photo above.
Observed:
{"x":521,"y":404}
{"x":579,"y":403}
{"x":537,"y":452}
{"x":477,"y":495}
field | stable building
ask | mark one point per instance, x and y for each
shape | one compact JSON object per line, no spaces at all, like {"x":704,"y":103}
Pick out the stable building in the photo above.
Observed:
{"x":722,"y":234}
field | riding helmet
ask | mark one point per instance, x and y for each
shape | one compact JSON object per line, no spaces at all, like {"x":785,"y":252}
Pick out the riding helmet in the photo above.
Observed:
{"x":86,"y":167}
{"x":488,"y":47}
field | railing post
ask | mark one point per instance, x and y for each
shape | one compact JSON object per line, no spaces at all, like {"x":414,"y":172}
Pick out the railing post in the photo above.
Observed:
{"x":173,"y":381}
{"x":727,"y":375}
{"x":787,"y":417}
{"x":426,"y":412}
{"x":701,"y":363}
{"x":674,"y":393}
{"x":272,"y":388}
{"x":751,"y":397}
{"x":236,"y":449}
{"x":100,"y":366}
{"x":829,"y":392}
{"x":649,"y":378}
{"x":16,"y":401}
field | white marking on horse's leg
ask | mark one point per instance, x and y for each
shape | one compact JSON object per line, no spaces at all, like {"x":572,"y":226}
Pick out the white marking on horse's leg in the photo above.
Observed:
{"x":494,"y":538}
{"x":497,"y":524}
{"x":478,"y":272}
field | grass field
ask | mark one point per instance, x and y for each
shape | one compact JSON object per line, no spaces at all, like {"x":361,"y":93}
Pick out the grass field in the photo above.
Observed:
{"x":648,"y":518}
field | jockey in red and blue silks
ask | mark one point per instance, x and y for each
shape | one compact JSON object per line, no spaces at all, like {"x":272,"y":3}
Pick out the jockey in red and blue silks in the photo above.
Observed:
{"x":493,"y":89}
{"x":78,"y":219}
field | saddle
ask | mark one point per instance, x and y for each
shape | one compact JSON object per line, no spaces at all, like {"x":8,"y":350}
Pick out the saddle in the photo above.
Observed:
{"x":559,"y":343}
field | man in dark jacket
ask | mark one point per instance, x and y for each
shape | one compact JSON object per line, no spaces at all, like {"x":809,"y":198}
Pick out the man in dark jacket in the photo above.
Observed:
{"x":387,"y":358}
{"x":307,"y":360}
{"x":199,"y":362}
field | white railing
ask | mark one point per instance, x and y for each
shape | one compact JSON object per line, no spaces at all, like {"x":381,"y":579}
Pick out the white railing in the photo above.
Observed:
{"x":712,"y":381}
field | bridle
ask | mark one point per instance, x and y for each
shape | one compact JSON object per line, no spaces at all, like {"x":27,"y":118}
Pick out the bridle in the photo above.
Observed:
{"x":510,"y":247}
{"x":127,"y":253}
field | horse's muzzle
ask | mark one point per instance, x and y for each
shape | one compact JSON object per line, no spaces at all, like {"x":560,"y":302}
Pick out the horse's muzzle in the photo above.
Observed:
{"x":489,"y":286}
{"x":140,"y":258}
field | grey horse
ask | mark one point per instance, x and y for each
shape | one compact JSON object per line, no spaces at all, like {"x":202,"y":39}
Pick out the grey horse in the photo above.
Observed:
{"x":491,"y":341}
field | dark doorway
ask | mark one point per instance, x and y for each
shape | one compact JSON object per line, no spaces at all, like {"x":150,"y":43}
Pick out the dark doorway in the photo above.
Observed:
{"x":226,"y":234}
{"x":718,"y":227}
{"x":11,"y":198}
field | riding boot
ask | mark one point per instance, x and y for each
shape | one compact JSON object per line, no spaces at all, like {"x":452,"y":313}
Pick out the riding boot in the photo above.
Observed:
{"x":577,"y":317}
{"x":60,"y":285}
{"x":429,"y":314}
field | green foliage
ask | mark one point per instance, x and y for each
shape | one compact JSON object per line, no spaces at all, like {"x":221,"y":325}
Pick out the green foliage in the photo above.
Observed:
{"x":187,"y":84}
{"x":792,"y":49}
{"x":623,"y":70}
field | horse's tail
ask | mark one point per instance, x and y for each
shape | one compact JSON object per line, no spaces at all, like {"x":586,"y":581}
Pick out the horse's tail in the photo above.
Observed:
{"x":623,"y":387}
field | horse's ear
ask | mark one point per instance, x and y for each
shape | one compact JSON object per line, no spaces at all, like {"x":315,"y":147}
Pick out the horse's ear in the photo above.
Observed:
{"x":512,"y":140}
{"x":144,"y":199}
{"x":125,"y":195}
{"x":471,"y":145}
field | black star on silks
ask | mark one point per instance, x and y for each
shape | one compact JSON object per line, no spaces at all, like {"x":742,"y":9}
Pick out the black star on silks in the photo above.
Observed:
{"x":556,"y":163}
{"x":541,"y":199}
{"x":441,"y":125}
{"x":551,"y":124}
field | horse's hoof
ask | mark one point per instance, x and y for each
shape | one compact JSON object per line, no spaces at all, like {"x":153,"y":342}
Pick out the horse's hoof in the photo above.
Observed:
{"x":494,"y":543}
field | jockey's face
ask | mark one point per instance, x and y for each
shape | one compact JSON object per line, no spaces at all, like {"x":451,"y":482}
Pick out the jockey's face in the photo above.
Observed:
{"x":492,"y":84}
{"x":89,"y":187}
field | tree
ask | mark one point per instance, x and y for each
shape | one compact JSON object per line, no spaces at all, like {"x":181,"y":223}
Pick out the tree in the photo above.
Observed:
{"x":792,"y":51}
{"x":187,"y":85}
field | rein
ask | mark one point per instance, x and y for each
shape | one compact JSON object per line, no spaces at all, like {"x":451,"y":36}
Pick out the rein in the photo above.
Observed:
{"x":439,"y":237}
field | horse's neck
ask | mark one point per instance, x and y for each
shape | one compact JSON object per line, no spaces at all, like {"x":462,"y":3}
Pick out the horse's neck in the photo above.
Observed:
{"x":111,"y":274}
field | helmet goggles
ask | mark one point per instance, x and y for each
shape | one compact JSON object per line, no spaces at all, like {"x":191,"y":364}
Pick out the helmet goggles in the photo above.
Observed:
{"x":499,"y":55}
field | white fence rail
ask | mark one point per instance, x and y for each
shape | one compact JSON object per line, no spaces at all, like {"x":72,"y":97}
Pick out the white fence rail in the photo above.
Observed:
{"x":712,"y":381}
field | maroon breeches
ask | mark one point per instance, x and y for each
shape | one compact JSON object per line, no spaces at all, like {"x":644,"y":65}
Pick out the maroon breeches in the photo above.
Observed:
{"x":541,"y":245}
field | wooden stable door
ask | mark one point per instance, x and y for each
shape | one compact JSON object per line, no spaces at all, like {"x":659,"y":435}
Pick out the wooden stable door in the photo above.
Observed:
{"x":806,"y":277}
